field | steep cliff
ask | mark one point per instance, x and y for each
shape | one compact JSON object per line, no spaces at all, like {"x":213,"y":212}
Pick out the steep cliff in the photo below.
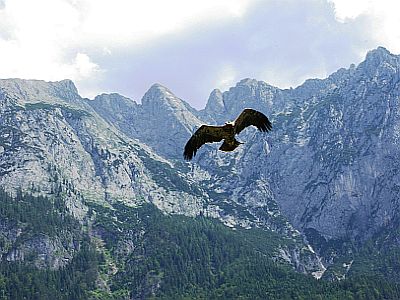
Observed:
{"x":326,"y":178}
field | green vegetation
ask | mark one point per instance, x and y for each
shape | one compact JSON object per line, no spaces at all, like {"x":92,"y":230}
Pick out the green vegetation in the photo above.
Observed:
{"x":166,"y":176}
{"x":176,"y":257}
{"x":37,"y":215}
{"x":19,"y":280}
{"x":72,"y":111}
{"x":379,"y":257}
{"x":142,"y":253}
{"x":25,"y":219}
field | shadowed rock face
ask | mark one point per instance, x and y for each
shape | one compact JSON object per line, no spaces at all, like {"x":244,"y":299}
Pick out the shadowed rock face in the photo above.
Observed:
{"x":341,"y":176}
{"x":329,"y":164}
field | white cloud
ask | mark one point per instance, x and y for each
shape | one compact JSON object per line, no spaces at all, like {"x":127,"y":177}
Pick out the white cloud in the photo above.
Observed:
{"x":127,"y":22}
{"x":84,"y":66}
{"x":56,"y":39}
{"x":226,"y":78}
{"x":111,"y":23}
{"x":384,"y":14}
{"x":190,"y":45}
{"x":38,"y":34}
{"x":350,"y":9}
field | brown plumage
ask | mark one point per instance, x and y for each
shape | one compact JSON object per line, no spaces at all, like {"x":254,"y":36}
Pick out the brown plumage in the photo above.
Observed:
{"x":227,"y":132}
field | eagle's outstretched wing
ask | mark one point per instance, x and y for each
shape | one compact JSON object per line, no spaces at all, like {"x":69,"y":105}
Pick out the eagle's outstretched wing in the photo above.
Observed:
{"x":205,"y":134}
{"x":252,"y":117}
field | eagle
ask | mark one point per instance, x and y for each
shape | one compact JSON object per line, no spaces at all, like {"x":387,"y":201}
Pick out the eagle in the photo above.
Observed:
{"x":227,"y":132}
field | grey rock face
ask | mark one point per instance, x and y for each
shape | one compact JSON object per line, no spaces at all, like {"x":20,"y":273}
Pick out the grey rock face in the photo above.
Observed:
{"x":44,"y":251}
{"x":340,"y":146}
{"x":330,"y":163}
{"x":215,"y":104}
{"x":49,"y":142}
{"x":160,"y":121}
{"x":53,"y":140}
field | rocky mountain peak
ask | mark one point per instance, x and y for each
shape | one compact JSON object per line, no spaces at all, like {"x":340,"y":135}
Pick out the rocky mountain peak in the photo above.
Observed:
{"x":248,"y":93}
{"x":379,"y":54}
{"x":250,"y":82}
{"x":156,"y":92}
{"x":215,"y":103}
{"x":380,"y":63}
{"x":66,"y":84}
{"x":329,"y":167}
{"x":114,"y":101}
{"x":158,"y":88}
{"x":160,"y":101}
{"x":251,"y":86}
{"x":27,"y":90}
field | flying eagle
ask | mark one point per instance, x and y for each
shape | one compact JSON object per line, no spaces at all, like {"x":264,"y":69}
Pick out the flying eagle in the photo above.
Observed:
{"x":227,"y":132}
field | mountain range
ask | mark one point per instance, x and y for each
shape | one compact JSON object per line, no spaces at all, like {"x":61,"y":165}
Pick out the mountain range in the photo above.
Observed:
{"x":320,"y":194}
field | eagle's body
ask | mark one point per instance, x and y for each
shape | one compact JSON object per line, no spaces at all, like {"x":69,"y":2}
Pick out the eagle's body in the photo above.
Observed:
{"x":227,"y":132}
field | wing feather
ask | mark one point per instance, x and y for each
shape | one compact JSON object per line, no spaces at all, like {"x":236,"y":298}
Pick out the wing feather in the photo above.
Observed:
{"x":250,"y":117}
{"x":205,"y":134}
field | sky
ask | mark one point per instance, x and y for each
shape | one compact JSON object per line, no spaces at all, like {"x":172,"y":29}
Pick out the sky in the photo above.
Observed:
{"x":189,"y":46}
